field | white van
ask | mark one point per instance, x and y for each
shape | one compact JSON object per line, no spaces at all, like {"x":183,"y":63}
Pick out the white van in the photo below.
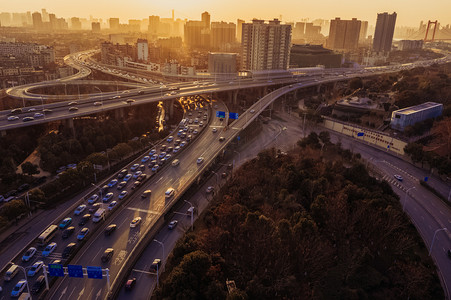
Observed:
{"x":25,"y":296}
{"x":169,"y":193}
{"x":12,"y":271}
{"x":175,"y":162}
{"x":99,"y":215}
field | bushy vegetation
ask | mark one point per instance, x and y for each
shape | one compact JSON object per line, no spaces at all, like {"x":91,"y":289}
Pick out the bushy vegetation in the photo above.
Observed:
{"x":302,"y":226}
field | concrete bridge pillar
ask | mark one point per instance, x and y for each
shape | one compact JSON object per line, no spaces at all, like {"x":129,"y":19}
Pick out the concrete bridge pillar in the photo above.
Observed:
{"x":171,"y":108}
{"x":119,"y":113}
{"x":70,"y":124}
{"x":318,"y":88}
{"x":235,"y":97}
{"x":3,"y":133}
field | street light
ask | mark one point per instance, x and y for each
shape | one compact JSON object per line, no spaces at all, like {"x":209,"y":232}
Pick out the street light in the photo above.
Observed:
{"x":26,"y":278}
{"x":161,"y":244}
{"x":100,"y":190}
{"x":217,"y":176}
{"x":239,"y":155}
{"x":433,"y":239}
{"x":405,"y":197}
{"x":192,"y":213}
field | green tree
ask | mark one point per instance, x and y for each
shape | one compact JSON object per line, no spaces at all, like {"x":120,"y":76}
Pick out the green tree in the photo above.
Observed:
{"x":13,"y":209}
{"x":415,"y":151}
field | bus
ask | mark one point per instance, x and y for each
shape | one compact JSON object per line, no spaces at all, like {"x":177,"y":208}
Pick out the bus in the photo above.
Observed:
{"x":47,"y":235}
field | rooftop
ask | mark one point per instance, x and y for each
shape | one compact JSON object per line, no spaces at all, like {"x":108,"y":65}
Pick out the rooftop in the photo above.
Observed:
{"x":417,"y":108}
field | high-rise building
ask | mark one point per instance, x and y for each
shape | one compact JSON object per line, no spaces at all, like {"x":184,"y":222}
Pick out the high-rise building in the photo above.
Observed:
{"x":134,"y":25}
{"x":265,"y":46}
{"x":222,"y":65}
{"x":383,"y":34}
{"x":206,"y":19}
{"x":344,"y":34}
{"x":239,"y":29}
{"x":142,"y":49}
{"x":192,"y":34}
{"x":95,"y":26}
{"x":298,"y":31}
{"x":222,"y":34}
{"x":363,"y":31}
{"x":45,"y":15}
{"x":75,"y":23}
{"x":52,"y":21}
{"x":114,"y":23}
{"x":37,"y":20}
{"x":154,"y":25}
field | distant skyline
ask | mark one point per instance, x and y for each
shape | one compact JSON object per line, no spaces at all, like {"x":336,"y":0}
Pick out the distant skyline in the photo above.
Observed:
{"x":410,"y":13}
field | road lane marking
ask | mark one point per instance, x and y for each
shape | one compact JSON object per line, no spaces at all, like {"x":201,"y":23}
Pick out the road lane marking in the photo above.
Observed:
{"x":442,"y":212}
{"x":144,"y":272}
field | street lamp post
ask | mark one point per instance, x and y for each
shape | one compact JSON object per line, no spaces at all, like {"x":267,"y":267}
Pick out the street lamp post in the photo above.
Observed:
{"x":26,"y":278}
{"x":217,"y":177}
{"x":192,"y":213}
{"x":162,"y":245}
{"x":239,"y":155}
{"x":100,"y":191}
{"x":405,"y":198}
{"x":433,"y":239}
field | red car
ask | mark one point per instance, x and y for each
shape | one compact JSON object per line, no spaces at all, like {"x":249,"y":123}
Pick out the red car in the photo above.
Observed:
{"x":130,"y":283}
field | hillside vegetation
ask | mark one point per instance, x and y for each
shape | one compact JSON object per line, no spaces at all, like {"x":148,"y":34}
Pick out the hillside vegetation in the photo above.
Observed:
{"x":307,"y":225}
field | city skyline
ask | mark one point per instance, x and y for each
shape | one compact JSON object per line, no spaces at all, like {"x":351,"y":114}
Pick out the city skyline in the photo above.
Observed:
{"x":137,"y":9}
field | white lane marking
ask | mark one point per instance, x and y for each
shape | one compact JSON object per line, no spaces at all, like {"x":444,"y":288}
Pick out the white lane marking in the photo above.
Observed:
{"x":144,"y":210}
{"x":62,"y":293}
{"x":70,"y":295}
{"x":442,"y":212}
{"x":98,"y":252}
{"x":144,"y":272}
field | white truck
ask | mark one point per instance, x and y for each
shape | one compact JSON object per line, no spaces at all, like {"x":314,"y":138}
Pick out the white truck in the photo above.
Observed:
{"x":99,"y":215}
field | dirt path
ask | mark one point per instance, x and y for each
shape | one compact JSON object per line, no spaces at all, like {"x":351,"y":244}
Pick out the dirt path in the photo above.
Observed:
{"x":35,"y":159}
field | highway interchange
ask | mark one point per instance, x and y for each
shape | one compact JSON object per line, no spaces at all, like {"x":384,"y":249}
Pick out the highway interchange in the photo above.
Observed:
{"x":208,"y":145}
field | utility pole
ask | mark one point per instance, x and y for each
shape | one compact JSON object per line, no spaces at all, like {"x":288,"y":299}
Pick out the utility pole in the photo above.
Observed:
{"x":303,"y":126}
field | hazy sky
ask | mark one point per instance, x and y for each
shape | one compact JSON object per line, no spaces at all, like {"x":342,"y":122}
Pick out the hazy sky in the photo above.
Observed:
{"x":410,"y":12}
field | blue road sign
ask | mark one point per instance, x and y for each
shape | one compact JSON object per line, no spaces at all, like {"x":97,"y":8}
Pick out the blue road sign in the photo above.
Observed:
{"x":360,"y":134}
{"x":220,"y":114}
{"x":75,"y":271}
{"x":426,"y":179}
{"x":388,"y":146}
{"x":233,"y":116}
{"x":56,"y":270}
{"x":238,"y":138}
{"x":94,"y":272}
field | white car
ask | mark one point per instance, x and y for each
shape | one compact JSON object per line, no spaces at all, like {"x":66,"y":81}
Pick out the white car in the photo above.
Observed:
{"x":155,"y":168}
{"x":214,"y":130}
{"x":135,"y":222}
{"x":398,"y":177}
{"x":121,"y":196}
{"x":49,"y":249}
{"x":134,"y":167}
{"x":97,"y":103}
{"x":137,"y":173}
{"x":35,"y":268}
{"x":170,"y":139}
{"x":93,"y":199}
{"x":80,"y":209}
{"x":112,"y":205}
{"x":13,"y":118}
{"x":29,"y":254}
{"x":209,"y":189}
{"x":200,"y":160}
{"x":18,"y":289}
{"x":175,"y":162}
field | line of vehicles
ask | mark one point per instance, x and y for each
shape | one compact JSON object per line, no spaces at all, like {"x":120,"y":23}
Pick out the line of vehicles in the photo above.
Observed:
{"x":95,"y":208}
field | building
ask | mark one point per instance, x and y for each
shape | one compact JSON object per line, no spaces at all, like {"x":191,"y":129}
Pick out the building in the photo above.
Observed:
{"x":142,"y":49}
{"x":222,"y":64}
{"x":265,"y":46}
{"x":206,"y":19}
{"x":134,"y":25}
{"x":75,"y":23}
{"x":298,"y":31}
{"x":114,"y":23}
{"x":154,"y":25}
{"x":383,"y":34}
{"x":363,"y":31}
{"x":223,"y":34}
{"x":239,"y":29}
{"x":95,"y":26}
{"x":408,"y":116}
{"x":410,"y":44}
{"x":192,"y":35}
{"x":303,"y":56}
{"x":344,"y":34}
{"x":37,"y":20}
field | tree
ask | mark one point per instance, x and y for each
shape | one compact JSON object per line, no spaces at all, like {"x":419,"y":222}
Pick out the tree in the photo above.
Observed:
{"x":13,"y":209}
{"x":29,"y":168}
{"x":356,"y":83}
{"x":36,"y":195}
{"x":415,"y":151}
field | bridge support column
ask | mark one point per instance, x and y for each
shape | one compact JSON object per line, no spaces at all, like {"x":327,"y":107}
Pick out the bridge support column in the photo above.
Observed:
{"x":318,"y":88}
{"x":171,"y":108}
{"x":119,"y":113}
{"x":70,"y":124}
{"x":3,"y":133}
{"x":235,"y":97}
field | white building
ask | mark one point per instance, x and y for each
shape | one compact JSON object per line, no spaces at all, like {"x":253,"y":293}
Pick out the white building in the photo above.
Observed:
{"x":265,"y":46}
{"x":408,"y":116}
{"x":143,"y":50}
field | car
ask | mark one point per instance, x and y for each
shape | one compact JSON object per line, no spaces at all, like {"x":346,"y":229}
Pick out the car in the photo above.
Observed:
{"x":145,"y":159}
{"x":135,"y":222}
{"x":79,"y":209}
{"x":27,"y":119}
{"x":13,"y":118}
{"x":141,"y":177}
{"x":94,"y":207}
{"x":155,"y":168}
{"x":176,"y":149}
{"x":18,"y":288}
{"x":252,"y":111}
{"x":136,"y":184}
{"x":209,"y":189}
{"x":162,"y":161}
{"x":16,"y":111}
{"x":189,"y":137}
{"x":130,"y":283}
{"x":49,"y":249}
{"x":112,"y":183}
{"x":146,"y":194}
{"x":73,"y":108}
{"x":81,"y":235}
{"x":169,"y":156}
{"x":170,"y":139}
{"x":152,"y":152}
{"x":108,"y":197}
{"x":110,"y":229}
{"x":398,"y":177}
{"x":93,"y":199}
{"x":137,"y":173}
{"x":175,"y":162}
{"x":195,"y":131}
{"x":122,"y":195}
{"x":222,"y":139}
{"x":169,"y":193}
{"x":214,"y":130}
{"x":182,"y":144}
{"x":155,"y":266}
{"x":68,"y":232}
{"x":35,"y":268}
{"x":68,"y":250}
{"x":200,"y":160}
{"x":162,"y":154}
{"x":127,"y":177}
{"x":121,"y":185}
{"x":117,"y":97}
{"x":163,"y":148}
{"x":38,"y":284}
{"x":66,"y":222}
{"x":177,"y":142}
{"x":38,"y":115}
{"x":107,"y":254}
{"x":84,"y":219}
{"x":134,"y":167}
{"x":29,"y":254}
{"x":173,"y":224}
{"x":72,"y":103}
{"x":122,"y":173}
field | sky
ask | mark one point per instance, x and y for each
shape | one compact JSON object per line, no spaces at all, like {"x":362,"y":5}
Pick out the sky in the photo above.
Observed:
{"x":410,"y":12}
